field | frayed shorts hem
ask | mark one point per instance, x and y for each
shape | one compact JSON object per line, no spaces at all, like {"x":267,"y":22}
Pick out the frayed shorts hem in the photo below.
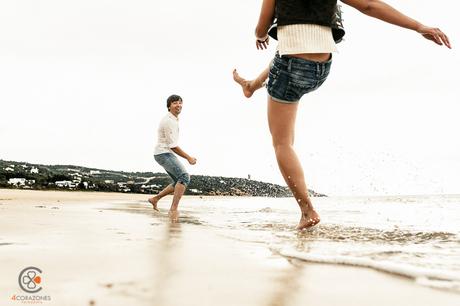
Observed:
{"x":283,"y":101}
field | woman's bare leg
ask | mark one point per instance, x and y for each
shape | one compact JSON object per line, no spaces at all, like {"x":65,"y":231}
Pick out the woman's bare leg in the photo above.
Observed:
{"x":249,"y":87}
{"x":281,"y":121}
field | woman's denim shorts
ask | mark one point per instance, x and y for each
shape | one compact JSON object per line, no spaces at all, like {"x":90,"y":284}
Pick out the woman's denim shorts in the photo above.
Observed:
{"x":291,"y":77}
{"x":174,"y":168}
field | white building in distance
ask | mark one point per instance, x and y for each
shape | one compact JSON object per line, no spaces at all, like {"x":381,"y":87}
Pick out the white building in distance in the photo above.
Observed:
{"x":20,"y":182}
{"x":17,"y":181}
{"x":68,"y":184}
{"x":34,"y":170}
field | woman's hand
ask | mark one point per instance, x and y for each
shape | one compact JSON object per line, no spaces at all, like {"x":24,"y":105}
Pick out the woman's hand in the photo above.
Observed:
{"x":387,"y":13}
{"x":434,"y":34}
{"x":262,"y":43}
{"x":265,"y":20}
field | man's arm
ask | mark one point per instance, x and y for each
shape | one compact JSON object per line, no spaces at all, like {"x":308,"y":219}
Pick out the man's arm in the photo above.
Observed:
{"x":181,"y":153}
{"x":380,"y":10}
{"x":171,"y":136}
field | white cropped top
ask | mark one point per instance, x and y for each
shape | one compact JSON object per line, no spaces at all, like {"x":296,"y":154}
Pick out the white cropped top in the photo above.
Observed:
{"x":305,"y":38}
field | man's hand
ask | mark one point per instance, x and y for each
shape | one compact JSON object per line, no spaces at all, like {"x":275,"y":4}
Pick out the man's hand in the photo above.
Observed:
{"x":434,"y":34}
{"x":191,"y":160}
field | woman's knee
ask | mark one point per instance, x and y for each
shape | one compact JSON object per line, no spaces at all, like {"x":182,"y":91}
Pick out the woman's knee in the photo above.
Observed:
{"x":282,"y":142}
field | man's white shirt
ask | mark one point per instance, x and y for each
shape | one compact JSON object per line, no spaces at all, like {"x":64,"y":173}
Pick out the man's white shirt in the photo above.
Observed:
{"x":168,"y":134}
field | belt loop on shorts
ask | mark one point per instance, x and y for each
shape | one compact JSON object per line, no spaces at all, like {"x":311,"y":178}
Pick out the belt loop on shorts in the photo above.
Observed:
{"x":319,"y":69}
{"x":289,"y":65}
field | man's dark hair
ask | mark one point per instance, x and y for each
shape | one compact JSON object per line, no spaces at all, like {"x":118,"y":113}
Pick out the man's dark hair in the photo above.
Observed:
{"x":171,"y":99}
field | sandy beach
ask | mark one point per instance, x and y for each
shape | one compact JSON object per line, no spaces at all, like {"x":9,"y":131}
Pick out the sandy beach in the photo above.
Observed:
{"x":113,"y":249}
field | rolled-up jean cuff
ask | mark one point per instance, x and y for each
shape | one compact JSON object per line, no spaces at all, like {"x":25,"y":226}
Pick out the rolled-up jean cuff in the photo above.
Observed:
{"x":174,"y":168}
{"x":183,"y":179}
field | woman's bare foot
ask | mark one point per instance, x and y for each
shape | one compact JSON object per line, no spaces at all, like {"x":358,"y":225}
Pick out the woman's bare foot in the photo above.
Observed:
{"x":308,"y":220}
{"x":173,"y":216}
{"x":249,"y":87}
{"x":154,"y":202}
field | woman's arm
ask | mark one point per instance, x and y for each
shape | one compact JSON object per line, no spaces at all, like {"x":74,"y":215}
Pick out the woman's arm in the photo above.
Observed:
{"x":385,"y":12}
{"x":265,"y":20}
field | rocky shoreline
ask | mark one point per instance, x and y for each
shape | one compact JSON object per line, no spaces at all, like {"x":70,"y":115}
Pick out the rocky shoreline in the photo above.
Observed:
{"x":69,"y":177}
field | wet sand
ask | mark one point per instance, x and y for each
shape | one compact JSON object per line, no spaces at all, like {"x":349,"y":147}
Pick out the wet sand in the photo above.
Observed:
{"x":113,"y":249}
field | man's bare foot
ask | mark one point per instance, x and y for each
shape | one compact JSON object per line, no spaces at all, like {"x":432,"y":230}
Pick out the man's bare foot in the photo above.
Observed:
{"x":308,"y":220}
{"x":248,"y":86}
{"x":173,"y":216}
{"x":154,"y":202}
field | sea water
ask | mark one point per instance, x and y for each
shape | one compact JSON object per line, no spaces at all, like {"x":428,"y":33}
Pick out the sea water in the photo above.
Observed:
{"x":413,"y":236}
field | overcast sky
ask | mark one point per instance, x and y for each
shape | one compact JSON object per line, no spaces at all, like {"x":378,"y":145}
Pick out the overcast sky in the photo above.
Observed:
{"x":85,"y":83}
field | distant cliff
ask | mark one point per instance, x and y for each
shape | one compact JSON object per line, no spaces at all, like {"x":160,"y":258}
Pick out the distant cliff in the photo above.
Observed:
{"x":34,"y":176}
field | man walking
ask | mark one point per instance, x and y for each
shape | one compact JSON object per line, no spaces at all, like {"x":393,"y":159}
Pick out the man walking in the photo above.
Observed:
{"x":167,"y":145}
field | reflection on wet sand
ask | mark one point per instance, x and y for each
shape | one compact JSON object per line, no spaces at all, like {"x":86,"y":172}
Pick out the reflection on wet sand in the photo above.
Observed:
{"x":165,"y":260}
{"x":287,"y":283}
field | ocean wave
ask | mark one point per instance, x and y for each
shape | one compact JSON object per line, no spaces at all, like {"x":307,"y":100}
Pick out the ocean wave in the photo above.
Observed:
{"x":262,"y":210}
{"x":427,"y":277}
{"x":364,"y":234}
